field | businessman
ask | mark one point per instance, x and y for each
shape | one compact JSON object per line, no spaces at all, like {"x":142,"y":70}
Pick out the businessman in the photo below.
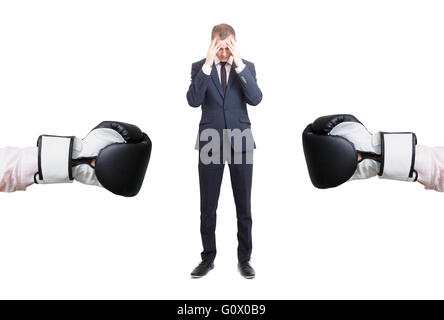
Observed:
{"x":223,"y":84}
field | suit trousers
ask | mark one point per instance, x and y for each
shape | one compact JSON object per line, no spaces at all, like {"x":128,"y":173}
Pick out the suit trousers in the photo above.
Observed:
{"x":210,"y":179}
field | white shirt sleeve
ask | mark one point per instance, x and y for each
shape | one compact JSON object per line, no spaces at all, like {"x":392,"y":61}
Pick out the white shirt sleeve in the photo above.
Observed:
{"x":17,"y":168}
{"x":240,"y":68}
{"x":206,"y":70}
{"x":429,"y":164}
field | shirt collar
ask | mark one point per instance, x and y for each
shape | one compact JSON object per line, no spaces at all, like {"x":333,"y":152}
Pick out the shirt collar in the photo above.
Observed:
{"x":229,"y":61}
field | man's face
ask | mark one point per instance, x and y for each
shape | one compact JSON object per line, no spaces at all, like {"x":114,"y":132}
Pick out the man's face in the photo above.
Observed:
{"x":224,"y":52}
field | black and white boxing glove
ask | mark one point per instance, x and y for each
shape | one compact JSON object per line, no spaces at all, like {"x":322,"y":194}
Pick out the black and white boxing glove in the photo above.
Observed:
{"x":332,"y":143}
{"x":114,"y":155}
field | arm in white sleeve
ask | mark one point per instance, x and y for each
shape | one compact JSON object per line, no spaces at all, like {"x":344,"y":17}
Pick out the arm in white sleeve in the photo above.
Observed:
{"x":17,"y":168}
{"x":206,"y":70}
{"x":429,"y":164}
{"x":240,"y":68}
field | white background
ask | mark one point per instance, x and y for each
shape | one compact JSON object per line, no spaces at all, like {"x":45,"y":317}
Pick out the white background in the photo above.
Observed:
{"x":67,"y":65}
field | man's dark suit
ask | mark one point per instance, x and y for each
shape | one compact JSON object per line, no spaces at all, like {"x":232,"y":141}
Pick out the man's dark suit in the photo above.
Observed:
{"x":225,"y":111}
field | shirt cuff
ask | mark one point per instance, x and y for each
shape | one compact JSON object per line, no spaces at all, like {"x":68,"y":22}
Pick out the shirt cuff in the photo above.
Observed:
{"x":206,"y":70}
{"x":240,"y":68}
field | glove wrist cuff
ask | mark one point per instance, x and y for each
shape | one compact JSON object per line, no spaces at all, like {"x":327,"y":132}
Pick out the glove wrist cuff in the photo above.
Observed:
{"x":398,"y":156}
{"x":54,"y":159}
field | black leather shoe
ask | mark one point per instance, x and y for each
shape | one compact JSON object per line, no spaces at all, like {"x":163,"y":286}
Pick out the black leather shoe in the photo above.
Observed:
{"x":202,"y":269}
{"x":246,"y":270}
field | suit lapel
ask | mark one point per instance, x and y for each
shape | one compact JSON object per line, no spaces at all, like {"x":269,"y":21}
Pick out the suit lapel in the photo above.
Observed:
{"x":216,"y":80}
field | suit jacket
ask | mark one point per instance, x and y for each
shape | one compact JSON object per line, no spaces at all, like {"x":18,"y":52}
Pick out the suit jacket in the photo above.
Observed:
{"x":229,"y":112}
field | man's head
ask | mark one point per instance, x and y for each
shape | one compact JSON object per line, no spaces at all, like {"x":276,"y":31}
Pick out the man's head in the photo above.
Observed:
{"x":222,"y":33}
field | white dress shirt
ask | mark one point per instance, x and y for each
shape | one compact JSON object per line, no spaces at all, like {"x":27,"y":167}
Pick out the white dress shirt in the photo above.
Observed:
{"x":207,"y":70}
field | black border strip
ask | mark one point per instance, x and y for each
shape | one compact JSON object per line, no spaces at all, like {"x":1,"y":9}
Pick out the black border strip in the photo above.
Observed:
{"x":414,"y":141}
{"x":71,"y":143}
{"x":39,"y":161}
{"x":381,"y":167}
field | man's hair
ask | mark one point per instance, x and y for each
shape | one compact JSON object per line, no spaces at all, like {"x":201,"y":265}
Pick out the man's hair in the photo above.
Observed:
{"x":222,"y":30}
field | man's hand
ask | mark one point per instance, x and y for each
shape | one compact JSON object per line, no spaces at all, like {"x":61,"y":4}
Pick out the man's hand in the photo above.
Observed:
{"x":214,"y":48}
{"x":232,"y":45}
